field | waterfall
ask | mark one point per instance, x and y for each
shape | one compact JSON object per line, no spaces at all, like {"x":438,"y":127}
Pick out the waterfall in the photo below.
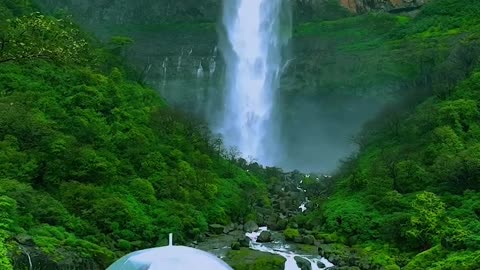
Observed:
{"x":200,"y":72}
{"x":213,"y":62}
{"x":164,"y":73}
{"x":255,"y":34}
{"x":179,"y":61}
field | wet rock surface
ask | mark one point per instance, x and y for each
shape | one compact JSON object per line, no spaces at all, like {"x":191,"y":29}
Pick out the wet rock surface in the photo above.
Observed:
{"x":264,"y":237}
{"x":216,"y":228}
{"x":303,"y":263}
{"x":250,"y":226}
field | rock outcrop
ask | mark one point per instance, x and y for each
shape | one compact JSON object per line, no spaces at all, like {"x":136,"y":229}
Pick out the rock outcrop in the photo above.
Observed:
{"x":324,"y":9}
{"x":362,"y":6}
{"x":125,"y":12}
{"x":216,"y":228}
{"x":264,"y":237}
{"x":303,"y":263}
{"x":250,"y":226}
{"x":121,"y":12}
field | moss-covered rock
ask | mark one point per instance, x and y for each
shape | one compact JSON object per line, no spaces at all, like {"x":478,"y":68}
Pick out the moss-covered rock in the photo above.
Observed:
{"x":247,"y":259}
{"x":327,"y":238}
{"x":235,"y":246}
{"x":303,"y":263}
{"x":216,"y":228}
{"x":264,"y":237}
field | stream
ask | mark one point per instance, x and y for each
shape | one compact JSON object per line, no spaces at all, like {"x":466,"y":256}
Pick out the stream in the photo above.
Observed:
{"x":218,"y":246}
{"x":283,"y":249}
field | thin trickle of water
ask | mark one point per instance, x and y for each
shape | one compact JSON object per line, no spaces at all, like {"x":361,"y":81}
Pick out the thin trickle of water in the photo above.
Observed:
{"x":164,"y":72}
{"x":213,"y":62}
{"x":252,"y":48}
{"x":179,"y":61}
{"x":200,"y":72}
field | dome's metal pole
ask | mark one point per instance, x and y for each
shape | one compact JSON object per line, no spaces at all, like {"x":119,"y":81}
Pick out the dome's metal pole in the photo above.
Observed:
{"x":170,"y":239}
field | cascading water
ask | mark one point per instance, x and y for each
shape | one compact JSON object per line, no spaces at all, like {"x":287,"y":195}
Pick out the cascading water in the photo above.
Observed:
{"x":256,"y":32}
{"x":283,"y":249}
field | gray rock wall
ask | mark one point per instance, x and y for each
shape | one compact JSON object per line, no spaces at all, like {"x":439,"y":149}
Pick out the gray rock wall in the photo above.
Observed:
{"x":362,"y":6}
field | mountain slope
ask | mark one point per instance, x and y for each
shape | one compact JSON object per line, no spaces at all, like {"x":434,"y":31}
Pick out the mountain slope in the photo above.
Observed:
{"x":409,"y":198}
{"x":93,"y":165}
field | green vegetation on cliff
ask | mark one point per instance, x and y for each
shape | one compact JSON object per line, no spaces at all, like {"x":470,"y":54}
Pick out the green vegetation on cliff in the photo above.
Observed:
{"x":376,"y":54}
{"x":411,"y":197}
{"x":93,"y":165}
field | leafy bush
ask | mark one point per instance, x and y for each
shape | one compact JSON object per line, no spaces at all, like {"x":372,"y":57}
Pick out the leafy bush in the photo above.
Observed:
{"x":290,"y":234}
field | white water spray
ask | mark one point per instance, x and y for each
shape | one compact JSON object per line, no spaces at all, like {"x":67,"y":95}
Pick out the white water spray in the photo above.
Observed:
{"x":256,"y":34}
{"x":283,"y":250}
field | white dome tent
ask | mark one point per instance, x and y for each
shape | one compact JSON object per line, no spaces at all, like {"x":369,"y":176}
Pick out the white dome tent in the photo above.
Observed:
{"x":169,"y":258}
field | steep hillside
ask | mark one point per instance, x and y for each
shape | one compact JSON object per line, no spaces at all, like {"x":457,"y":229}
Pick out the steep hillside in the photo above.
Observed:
{"x":93,"y":165}
{"x":410,"y":197}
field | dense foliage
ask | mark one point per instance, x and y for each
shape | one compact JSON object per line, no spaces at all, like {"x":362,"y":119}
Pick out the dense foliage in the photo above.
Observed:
{"x":93,"y":165}
{"x":410,"y":198}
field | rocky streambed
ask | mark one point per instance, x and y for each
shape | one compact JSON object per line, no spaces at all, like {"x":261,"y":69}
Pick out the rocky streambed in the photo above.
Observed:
{"x":259,"y":248}
{"x":295,"y":259}
{"x":248,"y":246}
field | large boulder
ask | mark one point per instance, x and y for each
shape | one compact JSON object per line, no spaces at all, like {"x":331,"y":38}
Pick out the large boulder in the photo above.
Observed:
{"x":229,"y":228}
{"x":250,"y":226}
{"x":298,"y":239}
{"x":303,"y":263}
{"x":321,"y":265}
{"x":308,"y":240}
{"x":277,"y":223}
{"x":264,"y":237}
{"x":235,"y":245}
{"x":244,"y":242}
{"x":216,"y":228}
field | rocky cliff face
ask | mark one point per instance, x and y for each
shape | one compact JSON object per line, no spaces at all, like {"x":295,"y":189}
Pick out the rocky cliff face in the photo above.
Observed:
{"x":362,"y":6}
{"x":137,"y":12}
{"x":121,"y":12}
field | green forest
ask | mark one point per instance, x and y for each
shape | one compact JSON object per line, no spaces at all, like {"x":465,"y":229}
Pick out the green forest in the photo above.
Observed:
{"x":95,"y":164}
{"x":409,"y":199}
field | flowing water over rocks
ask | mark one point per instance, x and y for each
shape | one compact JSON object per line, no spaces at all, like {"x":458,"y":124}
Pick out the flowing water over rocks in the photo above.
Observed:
{"x":283,"y":249}
{"x":219,"y":245}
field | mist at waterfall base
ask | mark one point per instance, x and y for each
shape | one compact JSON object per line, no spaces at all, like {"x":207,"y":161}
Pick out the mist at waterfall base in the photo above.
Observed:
{"x":318,"y":133}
